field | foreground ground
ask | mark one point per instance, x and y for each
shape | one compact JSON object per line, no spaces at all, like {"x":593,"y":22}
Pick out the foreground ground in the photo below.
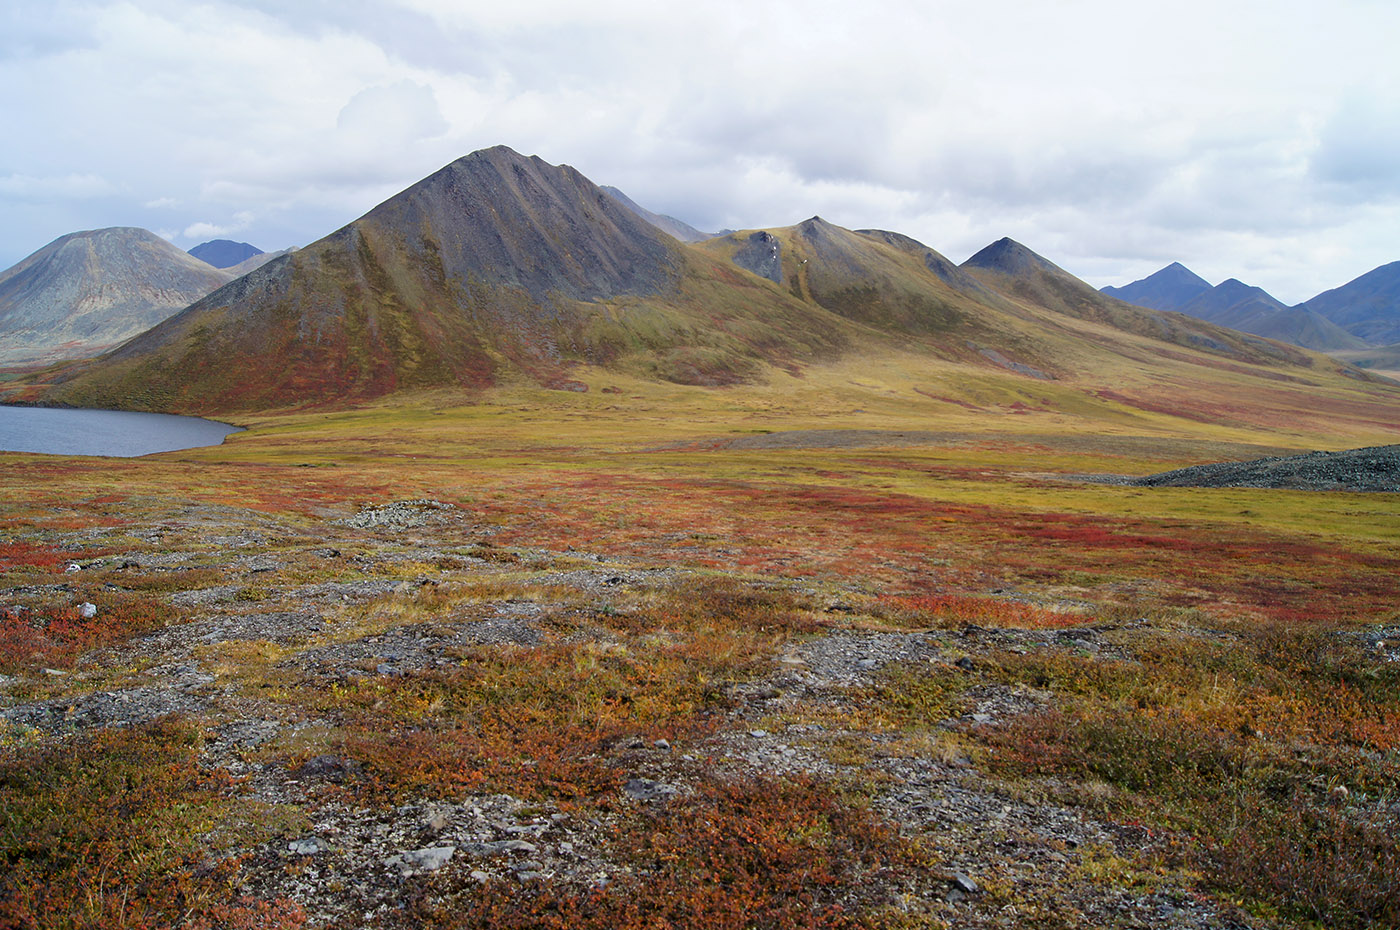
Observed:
{"x":643,"y":665}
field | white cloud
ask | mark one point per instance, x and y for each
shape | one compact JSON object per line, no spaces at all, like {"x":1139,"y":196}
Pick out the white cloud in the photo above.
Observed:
{"x":205,"y":230}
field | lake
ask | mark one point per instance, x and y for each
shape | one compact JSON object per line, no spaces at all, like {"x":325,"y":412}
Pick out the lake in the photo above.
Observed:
{"x":117,"y":433}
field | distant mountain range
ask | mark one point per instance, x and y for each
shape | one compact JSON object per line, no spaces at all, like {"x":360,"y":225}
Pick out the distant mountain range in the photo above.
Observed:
{"x":1352,"y":318}
{"x":224,"y":253}
{"x":88,"y":291}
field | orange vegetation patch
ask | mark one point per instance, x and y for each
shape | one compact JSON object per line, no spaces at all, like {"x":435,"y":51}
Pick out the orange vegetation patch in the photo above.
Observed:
{"x":990,"y":611}
{"x":26,"y":555}
{"x":916,"y":546}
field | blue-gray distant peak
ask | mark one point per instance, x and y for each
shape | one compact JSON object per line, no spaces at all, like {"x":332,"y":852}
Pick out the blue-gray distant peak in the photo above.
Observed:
{"x":1172,"y":288}
{"x":1367,"y":307}
{"x":224,"y":253}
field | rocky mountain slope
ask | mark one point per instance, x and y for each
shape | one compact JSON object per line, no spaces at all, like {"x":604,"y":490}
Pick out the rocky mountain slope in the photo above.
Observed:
{"x":88,"y":291}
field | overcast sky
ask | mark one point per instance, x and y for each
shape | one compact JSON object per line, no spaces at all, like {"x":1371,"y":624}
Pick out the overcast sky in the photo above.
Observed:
{"x":1258,"y":140}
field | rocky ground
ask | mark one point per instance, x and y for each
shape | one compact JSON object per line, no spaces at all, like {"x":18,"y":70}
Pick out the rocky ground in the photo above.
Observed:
{"x":295,"y":595}
{"x":1376,"y":468}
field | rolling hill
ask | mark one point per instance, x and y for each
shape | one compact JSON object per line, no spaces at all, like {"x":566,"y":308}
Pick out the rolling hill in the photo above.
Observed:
{"x":88,"y":291}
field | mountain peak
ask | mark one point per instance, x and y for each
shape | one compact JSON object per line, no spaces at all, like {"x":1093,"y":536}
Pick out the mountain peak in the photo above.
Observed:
{"x":502,"y":217}
{"x":1170,"y":288}
{"x":87,"y":291}
{"x":1008,"y":256}
{"x":224,"y":253}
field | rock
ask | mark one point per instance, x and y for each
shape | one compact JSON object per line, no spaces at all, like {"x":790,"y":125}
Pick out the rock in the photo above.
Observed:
{"x":331,"y":768}
{"x":438,"y":819}
{"x":480,"y":877}
{"x":758,"y":734}
{"x":644,"y":789}
{"x":87,"y":611}
{"x":414,"y":861}
{"x":663,"y":745}
{"x":964,"y":883}
{"x":502,"y":847}
{"x":308,"y":846}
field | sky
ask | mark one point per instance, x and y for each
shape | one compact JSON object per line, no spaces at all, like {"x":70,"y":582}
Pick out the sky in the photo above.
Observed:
{"x":1256,"y":140}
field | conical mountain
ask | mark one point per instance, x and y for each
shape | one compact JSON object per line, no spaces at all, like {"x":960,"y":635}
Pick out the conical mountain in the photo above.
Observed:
{"x":1232,"y":299}
{"x":1172,"y":288}
{"x":88,"y":291}
{"x":224,"y":253}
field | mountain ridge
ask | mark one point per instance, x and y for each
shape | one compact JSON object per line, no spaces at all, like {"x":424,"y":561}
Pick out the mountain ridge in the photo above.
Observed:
{"x":501,"y":268}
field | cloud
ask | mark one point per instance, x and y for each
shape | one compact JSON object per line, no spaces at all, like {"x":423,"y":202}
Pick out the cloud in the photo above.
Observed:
{"x":204,"y":230}
{"x":1106,"y":135}
{"x":392,"y":114}
{"x":65,"y":187}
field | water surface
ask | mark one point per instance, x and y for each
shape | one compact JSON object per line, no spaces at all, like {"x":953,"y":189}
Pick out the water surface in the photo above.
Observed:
{"x":117,"y":433}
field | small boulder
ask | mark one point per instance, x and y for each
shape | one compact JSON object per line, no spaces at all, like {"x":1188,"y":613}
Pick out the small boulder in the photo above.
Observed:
{"x":415,"y":861}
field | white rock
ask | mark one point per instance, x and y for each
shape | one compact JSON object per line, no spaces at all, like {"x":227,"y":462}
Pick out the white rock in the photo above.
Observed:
{"x":413,"y":861}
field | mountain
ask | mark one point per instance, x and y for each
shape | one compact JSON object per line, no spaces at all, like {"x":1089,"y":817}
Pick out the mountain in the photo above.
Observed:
{"x":667,"y":224}
{"x":1169,"y":289}
{"x":1232,"y":299}
{"x":492,"y":267}
{"x":503,"y":269}
{"x":1235,"y":305}
{"x":256,"y":261}
{"x":88,"y":291}
{"x":1249,"y":309}
{"x":224,"y":253}
{"x":1367,"y":307}
{"x":1015,"y":271}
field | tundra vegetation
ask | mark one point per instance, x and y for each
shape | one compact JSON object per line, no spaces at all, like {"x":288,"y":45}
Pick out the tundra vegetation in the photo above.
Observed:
{"x":828,"y":651}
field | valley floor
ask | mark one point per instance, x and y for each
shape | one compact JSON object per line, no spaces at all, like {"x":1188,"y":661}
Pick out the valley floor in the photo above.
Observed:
{"x":450,"y":671}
